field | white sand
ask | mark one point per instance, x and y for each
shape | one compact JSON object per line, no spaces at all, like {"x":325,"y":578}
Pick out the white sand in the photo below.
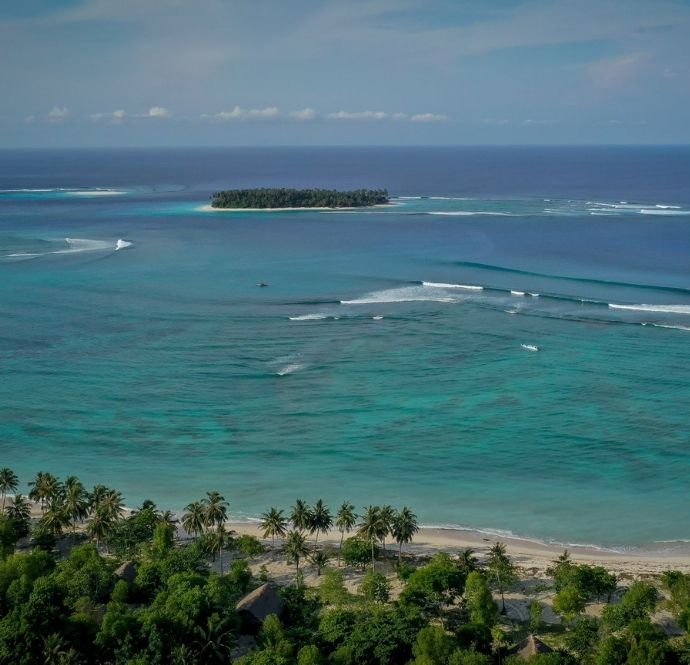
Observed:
{"x":528,"y":555}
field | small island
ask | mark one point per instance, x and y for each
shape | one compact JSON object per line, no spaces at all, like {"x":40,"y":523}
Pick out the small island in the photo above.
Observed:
{"x":264,"y":198}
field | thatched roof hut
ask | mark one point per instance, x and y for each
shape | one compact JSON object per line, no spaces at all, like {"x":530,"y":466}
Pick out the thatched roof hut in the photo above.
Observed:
{"x":127,"y":572}
{"x":531,"y":647}
{"x":258,"y":604}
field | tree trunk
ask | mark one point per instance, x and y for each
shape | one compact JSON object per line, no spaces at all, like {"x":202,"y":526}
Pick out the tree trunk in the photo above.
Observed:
{"x":400,"y":553}
{"x":316,"y":541}
{"x":373,"y":565}
{"x":342,"y":535}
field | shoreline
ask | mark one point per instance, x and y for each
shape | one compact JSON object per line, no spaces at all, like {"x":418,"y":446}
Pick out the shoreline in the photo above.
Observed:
{"x":209,"y":208}
{"x":528,"y":554}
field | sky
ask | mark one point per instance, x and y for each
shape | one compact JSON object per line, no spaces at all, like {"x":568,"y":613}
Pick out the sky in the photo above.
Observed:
{"x":340,"y":72}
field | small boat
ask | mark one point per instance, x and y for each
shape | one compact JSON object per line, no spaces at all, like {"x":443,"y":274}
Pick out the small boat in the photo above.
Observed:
{"x":530,"y":347}
{"x":262,"y":284}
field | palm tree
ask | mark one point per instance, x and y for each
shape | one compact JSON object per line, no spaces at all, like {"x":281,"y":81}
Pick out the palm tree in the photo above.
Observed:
{"x":55,"y":518}
{"x":75,"y":500}
{"x":321,"y":520}
{"x":217,"y":540}
{"x":319,"y":560}
{"x":100,"y":525}
{"x":372,"y":527}
{"x":20,"y":510}
{"x":44,"y":487}
{"x":467,"y":562}
{"x":345,"y":520}
{"x":274,"y":523}
{"x":301,"y":515}
{"x":96,"y":495}
{"x":501,"y":569}
{"x":8,"y":483}
{"x":194,"y":520}
{"x":168,"y":518}
{"x":296,"y":548}
{"x":54,"y":649}
{"x":404,"y":527}
{"x":387,"y":517}
{"x":113,"y":505}
{"x":216,"y":509}
{"x":106,"y":506}
{"x":214,"y":642}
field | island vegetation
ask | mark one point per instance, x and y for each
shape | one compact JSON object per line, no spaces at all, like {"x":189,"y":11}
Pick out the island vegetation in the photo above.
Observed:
{"x":298,"y":198}
{"x":85,"y":581}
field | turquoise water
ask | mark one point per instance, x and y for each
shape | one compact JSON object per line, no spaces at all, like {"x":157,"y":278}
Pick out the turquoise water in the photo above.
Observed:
{"x":548,"y":400}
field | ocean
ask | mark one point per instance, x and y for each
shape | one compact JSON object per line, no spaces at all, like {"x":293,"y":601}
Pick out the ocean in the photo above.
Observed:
{"x":505,"y":347}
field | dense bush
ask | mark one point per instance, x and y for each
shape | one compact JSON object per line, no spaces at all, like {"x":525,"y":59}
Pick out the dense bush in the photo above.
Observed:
{"x":298,"y":198}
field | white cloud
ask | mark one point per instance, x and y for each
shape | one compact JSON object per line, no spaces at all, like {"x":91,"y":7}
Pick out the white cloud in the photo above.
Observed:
{"x":400,"y":116}
{"x":304,"y":114}
{"x":30,"y":119}
{"x":114,"y":117}
{"x":158,"y":112}
{"x":358,"y":115}
{"x":58,"y":114}
{"x":616,"y":73}
{"x":238,"y":113}
{"x":429,"y":117}
{"x":534,"y":121}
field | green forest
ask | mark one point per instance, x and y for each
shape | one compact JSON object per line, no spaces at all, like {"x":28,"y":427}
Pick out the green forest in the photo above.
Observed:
{"x":85,"y":581}
{"x":298,"y":198}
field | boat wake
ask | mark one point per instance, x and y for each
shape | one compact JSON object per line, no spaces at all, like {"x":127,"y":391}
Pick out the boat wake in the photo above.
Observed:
{"x":76,"y":246}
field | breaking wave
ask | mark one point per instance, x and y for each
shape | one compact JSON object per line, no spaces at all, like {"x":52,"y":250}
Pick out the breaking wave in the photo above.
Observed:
{"x":666,"y":309}
{"x":441,"y":285}
{"x":404,"y":294}
{"x":309,"y":317}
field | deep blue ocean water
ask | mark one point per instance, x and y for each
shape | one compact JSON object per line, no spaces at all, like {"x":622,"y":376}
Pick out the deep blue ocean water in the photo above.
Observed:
{"x":552,"y":402}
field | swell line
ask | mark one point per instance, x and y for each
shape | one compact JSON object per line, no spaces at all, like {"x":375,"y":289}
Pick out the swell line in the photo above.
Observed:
{"x":587,"y":280}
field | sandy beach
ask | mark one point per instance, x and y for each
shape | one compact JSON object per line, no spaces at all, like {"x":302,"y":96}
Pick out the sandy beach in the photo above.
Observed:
{"x":532,"y":557}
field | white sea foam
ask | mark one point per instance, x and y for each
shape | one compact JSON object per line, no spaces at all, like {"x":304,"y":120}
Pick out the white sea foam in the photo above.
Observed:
{"x":76,"y":246}
{"x":83,"y":245}
{"x":376,"y":318}
{"x":663,"y":325}
{"x":95,"y":192}
{"x":28,"y":190}
{"x":309,"y":317}
{"x":517,"y":293}
{"x":534,"y":295}
{"x":530,"y":347}
{"x":657,"y":211}
{"x":469,"y":213}
{"x":666,"y":207}
{"x":403,"y":294}
{"x":670,"y":309}
{"x":443,"y":285}
{"x":291,"y":368}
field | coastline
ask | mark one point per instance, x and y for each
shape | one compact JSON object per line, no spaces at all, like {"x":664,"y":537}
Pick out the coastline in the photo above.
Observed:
{"x":532,"y":555}
{"x":209,"y":208}
{"x":528,"y":554}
